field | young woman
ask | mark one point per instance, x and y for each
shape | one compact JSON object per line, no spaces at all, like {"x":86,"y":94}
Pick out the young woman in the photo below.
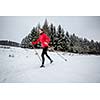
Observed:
{"x":44,"y":40}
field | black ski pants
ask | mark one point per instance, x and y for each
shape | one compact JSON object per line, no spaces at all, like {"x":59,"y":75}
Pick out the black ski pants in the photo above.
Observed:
{"x":44,"y":52}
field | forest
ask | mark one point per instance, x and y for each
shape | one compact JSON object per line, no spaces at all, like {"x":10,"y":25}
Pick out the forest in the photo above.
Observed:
{"x":61,"y":40}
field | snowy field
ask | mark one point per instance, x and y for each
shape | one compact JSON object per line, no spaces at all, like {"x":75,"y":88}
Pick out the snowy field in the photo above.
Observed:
{"x":18,"y":65}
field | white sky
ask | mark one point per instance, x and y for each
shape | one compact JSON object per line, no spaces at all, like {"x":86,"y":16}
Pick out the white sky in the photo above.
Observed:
{"x":16,"y":28}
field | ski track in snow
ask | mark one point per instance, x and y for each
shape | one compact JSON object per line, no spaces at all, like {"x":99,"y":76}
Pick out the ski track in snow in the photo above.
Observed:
{"x":18,"y":65}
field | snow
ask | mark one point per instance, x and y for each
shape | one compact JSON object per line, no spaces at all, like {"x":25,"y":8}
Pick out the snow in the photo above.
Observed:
{"x":18,"y":65}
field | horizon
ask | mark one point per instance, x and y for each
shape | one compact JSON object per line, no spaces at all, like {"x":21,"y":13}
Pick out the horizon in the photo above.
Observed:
{"x":15,"y":28}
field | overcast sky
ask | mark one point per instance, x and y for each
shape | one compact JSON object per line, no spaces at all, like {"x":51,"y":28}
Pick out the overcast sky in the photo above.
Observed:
{"x":16,"y":28}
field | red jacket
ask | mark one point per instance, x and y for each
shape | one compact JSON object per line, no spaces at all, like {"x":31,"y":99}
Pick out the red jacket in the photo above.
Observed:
{"x":43,"y":39}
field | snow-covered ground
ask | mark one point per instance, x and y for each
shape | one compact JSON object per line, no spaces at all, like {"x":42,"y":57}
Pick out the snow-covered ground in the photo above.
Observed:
{"x":19,"y":65}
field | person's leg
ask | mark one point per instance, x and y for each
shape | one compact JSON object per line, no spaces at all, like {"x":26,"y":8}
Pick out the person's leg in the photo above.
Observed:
{"x":43,"y":59}
{"x":48,"y":55}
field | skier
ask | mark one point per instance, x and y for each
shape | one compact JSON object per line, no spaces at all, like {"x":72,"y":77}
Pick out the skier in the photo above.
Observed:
{"x":44,"y":40}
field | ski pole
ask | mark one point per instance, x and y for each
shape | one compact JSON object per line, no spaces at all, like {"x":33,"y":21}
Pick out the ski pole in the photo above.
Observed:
{"x":36,"y":53}
{"x":59,"y":55}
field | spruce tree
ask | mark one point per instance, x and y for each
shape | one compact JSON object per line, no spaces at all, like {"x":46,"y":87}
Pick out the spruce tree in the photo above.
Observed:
{"x":46,"y":27}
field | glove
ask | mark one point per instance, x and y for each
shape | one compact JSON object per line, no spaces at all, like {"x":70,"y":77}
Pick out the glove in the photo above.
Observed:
{"x":46,"y":43}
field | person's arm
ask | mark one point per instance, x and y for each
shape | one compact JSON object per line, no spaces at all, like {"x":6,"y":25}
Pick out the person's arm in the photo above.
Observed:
{"x":47,"y":39}
{"x":35,"y":42}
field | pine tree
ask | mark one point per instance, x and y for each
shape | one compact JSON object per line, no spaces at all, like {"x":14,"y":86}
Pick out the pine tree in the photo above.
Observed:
{"x":51,"y":34}
{"x":31,"y":37}
{"x":46,"y":27}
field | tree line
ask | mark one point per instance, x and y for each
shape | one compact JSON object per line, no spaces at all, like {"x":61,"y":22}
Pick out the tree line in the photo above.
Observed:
{"x":9,"y":43}
{"x":61,"y":40}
